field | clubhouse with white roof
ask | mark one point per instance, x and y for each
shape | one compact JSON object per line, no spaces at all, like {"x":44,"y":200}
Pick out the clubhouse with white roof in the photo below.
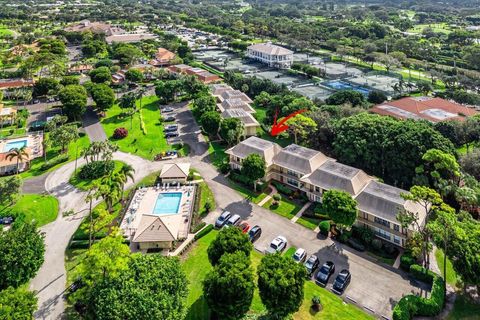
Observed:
{"x":271,"y":54}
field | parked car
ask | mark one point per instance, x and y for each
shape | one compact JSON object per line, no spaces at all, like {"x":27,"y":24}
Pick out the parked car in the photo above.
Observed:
{"x":244,"y":226}
{"x":171,"y":128}
{"x":277,"y":245}
{"x":167,"y":110}
{"x":341,"y":281}
{"x":324,"y":273}
{"x":233,"y":220}
{"x":169,"y":118}
{"x":171,"y":134}
{"x":220,"y":222}
{"x":6,"y":220}
{"x":300,"y":255}
{"x":311,"y":264}
{"x":255,"y":233}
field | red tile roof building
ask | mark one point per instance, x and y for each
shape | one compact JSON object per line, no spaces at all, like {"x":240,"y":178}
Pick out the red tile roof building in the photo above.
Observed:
{"x":202,"y":75}
{"x":427,"y":108}
{"x":15,"y":83}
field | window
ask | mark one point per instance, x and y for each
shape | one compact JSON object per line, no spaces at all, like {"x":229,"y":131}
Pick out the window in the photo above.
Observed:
{"x":396,"y":227}
{"x":317,"y":189}
{"x":382,"y":234}
{"x":381,"y":221}
{"x":292,"y":182}
{"x":292,"y":173}
{"x":396,"y":240}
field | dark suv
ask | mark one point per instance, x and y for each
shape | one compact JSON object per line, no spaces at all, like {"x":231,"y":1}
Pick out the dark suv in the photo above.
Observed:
{"x":255,"y":233}
{"x":341,"y":281}
{"x":324,"y":273}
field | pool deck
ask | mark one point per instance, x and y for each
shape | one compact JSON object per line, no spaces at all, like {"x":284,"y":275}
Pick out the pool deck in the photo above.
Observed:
{"x":143,"y":204}
{"x":34,"y":144}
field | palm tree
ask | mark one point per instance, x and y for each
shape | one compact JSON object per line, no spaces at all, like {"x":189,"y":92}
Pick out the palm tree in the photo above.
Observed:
{"x":109,"y":190}
{"x":124,"y":174}
{"x":20,"y":154}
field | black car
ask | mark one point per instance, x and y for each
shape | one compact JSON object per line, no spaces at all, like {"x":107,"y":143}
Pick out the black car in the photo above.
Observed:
{"x":341,"y":281}
{"x":311,"y":264}
{"x":169,"y":118}
{"x":6,"y":220}
{"x":324,"y":273}
{"x":171,"y":128}
{"x":171,"y":134}
{"x":254,"y":233}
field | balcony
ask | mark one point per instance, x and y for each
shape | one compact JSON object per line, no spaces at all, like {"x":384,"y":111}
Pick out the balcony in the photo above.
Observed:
{"x":381,"y":226}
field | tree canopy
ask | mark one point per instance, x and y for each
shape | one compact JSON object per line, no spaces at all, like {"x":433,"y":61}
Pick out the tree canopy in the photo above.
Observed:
{"x":228,"y":240}
{"x":231,"y":130}
{"x":100,"y":75}
{"x":74,"y":100}
{"x":210,"y":122}
{"x":103,"y":96}
{"x":253,"y":167}
{"x":340,"y":207}
{"x":17,"y":304}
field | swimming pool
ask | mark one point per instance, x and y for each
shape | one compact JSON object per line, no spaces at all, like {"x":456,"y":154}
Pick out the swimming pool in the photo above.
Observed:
{"x":167,"y":203}
{"x":340,"y":85}
{"x":18,"y":144}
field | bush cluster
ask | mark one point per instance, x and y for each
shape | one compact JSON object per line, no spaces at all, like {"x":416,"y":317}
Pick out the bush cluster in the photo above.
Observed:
{"x":240,"y":178}
{"x":324,"y":227}
{"x":96,"y":169}
{"x":53,"y":162}
{"x":120,"y":133}
{"x":282,"y":189}
{"x":406,"y":260}
{"x":204,"y":232}
{"x":411,"y":305}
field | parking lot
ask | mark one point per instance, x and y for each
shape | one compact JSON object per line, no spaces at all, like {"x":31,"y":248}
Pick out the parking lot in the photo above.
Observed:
{"x":374,"y":288}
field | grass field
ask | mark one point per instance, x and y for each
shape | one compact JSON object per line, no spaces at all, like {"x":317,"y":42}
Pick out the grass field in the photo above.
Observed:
{"x":5,"y":32}
{"x":452,"y":278}
{"x":196,"y":267}
{"x":286,"y":208}
{"x":42,"y":209}
{"x":137,"y":142}
{"x":74,"y":149}
{"x":247,"y":193}
{"x":86,"y":184}
{"x":206,"y":196}
{"x":217,"y":154}
{"x":309,"y":222}
{"x":464,"y":309}
{"x":436,"y":27}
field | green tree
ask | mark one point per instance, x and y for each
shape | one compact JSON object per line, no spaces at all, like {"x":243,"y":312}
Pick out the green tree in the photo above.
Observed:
{"x":74,"y":100}
{"x":150,"y":287}
{"x":134,"y":75}
{"x":210,"y":122}
{"x":63,"y":136}
{"x":439,"y":168}
{"x":100,"y":75}
{"x":228,"y":288}
{"x":280,"y":283}
{"x":340,"y":207}
{"x":22,"y":250}
{"x":10,"y":188}
{"x":46,"y":86}
{"x":20,"y":154}
{"x":228,"y":240}
{"x":301,"y":127}
{"x":203,"y":104}
{"x":429,"y":200}
{"x":376,"y":97}
{"x":167,"y":91}
{"x":424,"y":87}
{"x":231,"y":130}
{"x":103,"y":96}
{"x":70,"y":80}
{"x":125,"y":173}
{"x":17,"y":304}
{"x":253,"y":168}
{"x":127,"y":54}
{"x":355,"y":98}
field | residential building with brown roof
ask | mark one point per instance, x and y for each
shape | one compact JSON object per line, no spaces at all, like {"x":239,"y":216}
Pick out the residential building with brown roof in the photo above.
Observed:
{"x":426,"y":108}
{"x":163,"y":57}
{"x":16,"y":83}
{"x":250,"y":124}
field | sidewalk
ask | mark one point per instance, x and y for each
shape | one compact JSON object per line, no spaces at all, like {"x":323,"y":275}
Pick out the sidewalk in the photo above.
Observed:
{"x":270,"y":195}
{"x":299,"y":214}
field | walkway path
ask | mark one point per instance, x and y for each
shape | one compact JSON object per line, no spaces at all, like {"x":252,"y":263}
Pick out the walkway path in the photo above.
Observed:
{"x":273,"y":191}
{"x":299,"y":214}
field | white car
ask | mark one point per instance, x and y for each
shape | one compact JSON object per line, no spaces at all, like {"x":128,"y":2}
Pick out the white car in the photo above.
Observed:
{"x":277,"y":245}
{"x":300,"y":255}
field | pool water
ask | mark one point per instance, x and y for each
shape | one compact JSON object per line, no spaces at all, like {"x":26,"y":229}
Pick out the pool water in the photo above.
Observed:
{"x":167,"y":203}
{"x":340,"y":85}
{"x":18,"y":144}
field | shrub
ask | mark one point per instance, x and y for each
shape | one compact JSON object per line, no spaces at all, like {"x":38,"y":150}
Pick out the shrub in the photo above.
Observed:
{"x":277,"y":197}
{"x":355,"y":244}
{"x":240,"y":178}
{"x":377,"y":244}
{"x":225,"y":167}
{"x":207,"y":207}
{"x":324,"y":227}
{"x":204,"y":232}
{"x":389,"y":249}
{"x":282,"y":189}
{"x":344,"y":236}
{"x":53,"y":162}
{"x":420,"y":273}
{"x":96,"y":169}
{"x":365,"y":234}
{"x":79,"y":244}
{"x":198,"y":226}
{"x":142,"y":124}
{"x":120,"y":133}
{"x":406,"y":260}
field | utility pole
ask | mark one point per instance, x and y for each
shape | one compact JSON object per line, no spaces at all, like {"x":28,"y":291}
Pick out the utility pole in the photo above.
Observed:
{"x":386,"y":47}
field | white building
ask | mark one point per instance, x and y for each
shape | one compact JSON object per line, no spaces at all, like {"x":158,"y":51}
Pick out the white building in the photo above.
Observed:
{"x":273,"y":55}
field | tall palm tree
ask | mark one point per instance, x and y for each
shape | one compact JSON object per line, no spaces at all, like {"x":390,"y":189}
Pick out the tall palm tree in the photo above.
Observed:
{"x":125,"y":173}
{"x":110,"y":188}
{"x":20,"y":154}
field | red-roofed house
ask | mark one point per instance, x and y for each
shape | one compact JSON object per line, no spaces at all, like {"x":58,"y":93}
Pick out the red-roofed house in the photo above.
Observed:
{"x":163,"y":57}
{"x":426,"y":108}
{"x":15,"y":83}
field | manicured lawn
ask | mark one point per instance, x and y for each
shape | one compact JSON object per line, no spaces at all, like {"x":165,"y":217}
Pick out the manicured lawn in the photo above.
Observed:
{"x":289,"y":252}
{"x":86,"y":184}
{"x":217,"y":154}
{"x":464,"y":309}
{"x":5,"y":32}
{"x":196,"y":267}
{"x":247,"y":193}
{"x":137,"y":142}
{"x":436,"y":27}
{"x":260,"y":114}
{"x":74,"y":149}
{"x":206,"y":196}
{"x":286,"y":208}
{"x":452,"y":277}
{"x":309,"y":222}
{"x":42,"y":209}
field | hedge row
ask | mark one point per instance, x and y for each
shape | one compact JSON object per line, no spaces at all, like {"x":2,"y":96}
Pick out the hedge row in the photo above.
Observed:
{"x":412,"y":305}
{"x":282,"y":189}
{"x":53,"y":162}
{"x":204,"y":232}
